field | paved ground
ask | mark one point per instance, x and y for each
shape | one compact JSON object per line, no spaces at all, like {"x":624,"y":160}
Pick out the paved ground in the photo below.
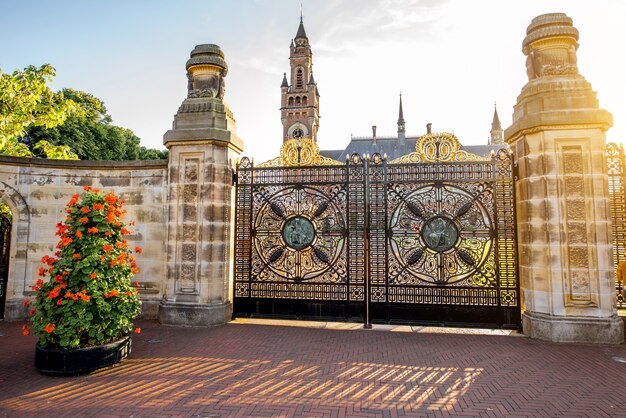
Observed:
{"x":260,"y":370}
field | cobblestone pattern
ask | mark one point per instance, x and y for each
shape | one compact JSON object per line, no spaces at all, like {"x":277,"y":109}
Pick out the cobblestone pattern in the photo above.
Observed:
{"x":272,"y":371}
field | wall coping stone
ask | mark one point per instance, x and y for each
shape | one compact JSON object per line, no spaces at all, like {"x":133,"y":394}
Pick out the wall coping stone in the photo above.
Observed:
{"x":77,"y":164}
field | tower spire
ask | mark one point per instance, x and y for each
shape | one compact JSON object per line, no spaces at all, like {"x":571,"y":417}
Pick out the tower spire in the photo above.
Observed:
{"x":401,"y":124}
{"x":496,"y":128}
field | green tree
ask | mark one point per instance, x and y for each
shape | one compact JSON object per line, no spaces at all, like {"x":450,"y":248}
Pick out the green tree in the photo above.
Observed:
{"x":26,"y":101}
{"x":90,"y":133}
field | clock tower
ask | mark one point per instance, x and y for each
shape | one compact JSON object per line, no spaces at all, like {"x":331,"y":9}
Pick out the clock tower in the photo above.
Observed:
{"x":299,"y":109}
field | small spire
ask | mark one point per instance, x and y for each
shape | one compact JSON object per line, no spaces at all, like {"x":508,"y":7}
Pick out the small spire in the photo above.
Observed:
{"x":311,"y":80}
{"x":495,"y":124}
{"x":496,"y":134}
{"x":285,"y":83}
{"x":301,"y":33}
{"x":401,"y":124}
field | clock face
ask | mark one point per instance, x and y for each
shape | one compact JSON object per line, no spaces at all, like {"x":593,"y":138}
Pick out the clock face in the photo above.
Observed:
{"x":297,"y":133}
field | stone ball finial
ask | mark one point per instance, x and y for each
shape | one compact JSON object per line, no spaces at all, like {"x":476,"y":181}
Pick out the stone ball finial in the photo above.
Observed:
{"x":550,"y":46}
{"x":206,"y":69}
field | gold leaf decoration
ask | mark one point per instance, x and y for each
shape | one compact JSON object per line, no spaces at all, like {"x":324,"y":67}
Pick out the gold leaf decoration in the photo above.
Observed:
{"x":438,"y":147}
{"x":298,"y":152}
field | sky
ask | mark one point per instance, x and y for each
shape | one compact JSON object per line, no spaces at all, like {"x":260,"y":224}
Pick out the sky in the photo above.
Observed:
{"x":452,"y":60}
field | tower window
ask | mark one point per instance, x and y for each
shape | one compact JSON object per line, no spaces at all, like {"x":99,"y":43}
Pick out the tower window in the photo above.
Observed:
{"x":304,"y":100}
{"x":291,"y":101}
{"x":297,"y":100}
{"x":299,"y":78}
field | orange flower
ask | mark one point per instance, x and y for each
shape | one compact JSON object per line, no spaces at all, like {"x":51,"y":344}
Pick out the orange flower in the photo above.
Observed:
{"x":137,"y":331}
{"x":93,"y":230}
{"x":93,"y":275}
{"x":73,"y":200}
{"x":84,"y":296}
{"x":134,"y":270}
{"x":42,"y":271}
{"x":85,"y":209}
{"x":79,"y":234}
{"x":125,"y":231}
{"x":111,"y":198}
{"x":63,"y":286}
{"x":102,"y":259}
{"x":98,"y":206}
{"x":87,"y":188}
{"x":65,"y":273}
{"x":111,"y":294}
{"x":58,"y":279}
{"x":107,"y":247}
{"x":66,"y":241}
{"x":129,"y":294}
{"x":121,"y":245}
{"x":59,"y":302}
{"x":108,"y":233}
{"x":136,"y":284}
{"x":83,"y":220}
{"x":77,"y":256}
{"x":33,"y":312}
{"x":26,"y":302}
{"x":54,"y":293}
{"x":138,"y":250}
{"x":110,"y":217}
{"x":50,"y":328}
{"x":37,"y":285}
{"x":25,"y":332}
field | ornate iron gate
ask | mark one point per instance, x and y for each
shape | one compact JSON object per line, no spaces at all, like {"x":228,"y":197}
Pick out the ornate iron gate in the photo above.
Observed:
{"x":428,"y":238}
{"x":5,"y":242}
{"x":617,"y":206}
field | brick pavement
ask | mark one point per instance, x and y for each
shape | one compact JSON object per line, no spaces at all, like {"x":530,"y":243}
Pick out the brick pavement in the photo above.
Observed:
{"x":249,"y":370}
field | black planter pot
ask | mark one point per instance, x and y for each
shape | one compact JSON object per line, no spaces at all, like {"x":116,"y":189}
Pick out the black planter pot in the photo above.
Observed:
{"x":67,"y":362}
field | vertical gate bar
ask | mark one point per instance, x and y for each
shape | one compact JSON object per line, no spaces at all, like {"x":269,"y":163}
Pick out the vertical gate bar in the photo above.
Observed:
{"x":250,"y":212}
{"x":366,"y":240}
{"x":347,"y":236}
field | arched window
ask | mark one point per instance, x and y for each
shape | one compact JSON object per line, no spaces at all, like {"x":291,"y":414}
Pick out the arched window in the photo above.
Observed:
{"x":304,"y":100}
{"x":299,"y":78}
{"x":297,"y":100}
{"x":291,"y":101}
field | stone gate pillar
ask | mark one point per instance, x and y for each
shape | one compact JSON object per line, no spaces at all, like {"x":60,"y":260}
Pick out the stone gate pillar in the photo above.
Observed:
{"x":202,"y":145}
{"x":564,"y":229}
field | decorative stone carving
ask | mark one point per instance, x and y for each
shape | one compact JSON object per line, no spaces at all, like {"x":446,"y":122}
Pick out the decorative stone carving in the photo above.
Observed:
{"x":206,"y":70}
{"x":550,"y":46}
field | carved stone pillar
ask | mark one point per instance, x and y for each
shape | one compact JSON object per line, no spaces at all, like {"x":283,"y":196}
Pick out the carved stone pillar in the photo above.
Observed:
{"x":202,"y":146}
{"x":564,"y":228}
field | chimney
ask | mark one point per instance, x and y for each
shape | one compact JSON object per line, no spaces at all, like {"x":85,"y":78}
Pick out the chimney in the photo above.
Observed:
{"x":374,"y":131}
{"x":429,"y":127}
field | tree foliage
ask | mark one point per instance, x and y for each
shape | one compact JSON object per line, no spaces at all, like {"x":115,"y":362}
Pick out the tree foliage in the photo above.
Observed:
{"x":91,"y":135}
{"x":26,"y":101}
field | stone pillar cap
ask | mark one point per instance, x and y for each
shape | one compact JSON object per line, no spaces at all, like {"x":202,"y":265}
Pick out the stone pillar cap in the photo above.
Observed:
{"x":550,"y":25}
{"x":207,"y":54}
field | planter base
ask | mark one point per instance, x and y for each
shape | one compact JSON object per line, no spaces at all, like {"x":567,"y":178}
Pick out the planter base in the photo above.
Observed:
{"x":67,"y":362}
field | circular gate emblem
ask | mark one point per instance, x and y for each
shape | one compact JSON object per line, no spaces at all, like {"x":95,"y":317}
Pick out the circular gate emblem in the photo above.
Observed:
{"x":440,"y":233}
{"x":298,"y":232}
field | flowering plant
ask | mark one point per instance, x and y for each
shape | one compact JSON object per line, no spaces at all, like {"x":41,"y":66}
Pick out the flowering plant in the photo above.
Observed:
{"x":88,"y":298}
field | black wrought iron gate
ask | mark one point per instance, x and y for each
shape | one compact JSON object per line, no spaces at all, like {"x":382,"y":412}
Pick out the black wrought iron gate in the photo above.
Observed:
{"x":371,"y":241}
{"x":5,"y":242}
